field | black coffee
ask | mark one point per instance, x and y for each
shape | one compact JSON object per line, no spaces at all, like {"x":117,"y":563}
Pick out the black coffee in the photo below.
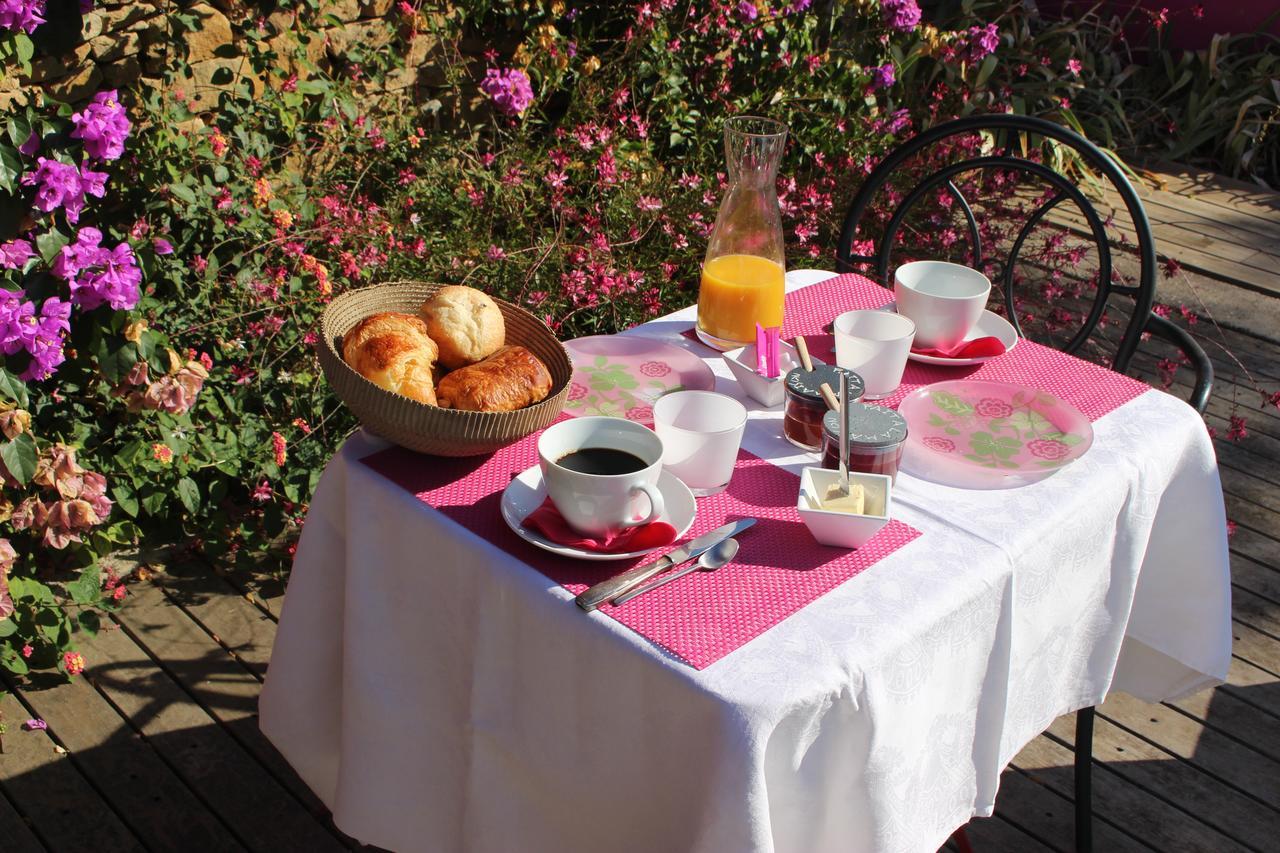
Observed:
{"x":602,"y":460}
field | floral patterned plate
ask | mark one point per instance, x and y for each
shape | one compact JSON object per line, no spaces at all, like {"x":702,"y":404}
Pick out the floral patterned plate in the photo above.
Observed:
{"x":990,"y":435}
{"x":622,"y":375}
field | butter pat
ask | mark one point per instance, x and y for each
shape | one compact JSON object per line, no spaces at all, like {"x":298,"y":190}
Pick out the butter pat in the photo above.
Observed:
{"x":853,"y":503}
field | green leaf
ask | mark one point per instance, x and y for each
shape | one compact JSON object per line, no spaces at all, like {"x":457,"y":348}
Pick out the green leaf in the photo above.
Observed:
{"x":13,"y":389}
{"x":50,"y":244}
{"x":189,"y":494}
{"x":85,"y":589}
{"x":125,"y":498}
{"x":183,"y":192}
{"x":10,"y":169}
{"x":8,"y":627}
{"x":20,"y":457}
{"x":12,"y":661}
{"x":89,"y":622}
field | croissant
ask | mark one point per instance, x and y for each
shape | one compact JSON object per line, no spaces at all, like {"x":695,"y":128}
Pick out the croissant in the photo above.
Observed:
{"x":510,"y":379}
{"x":394,"y":352}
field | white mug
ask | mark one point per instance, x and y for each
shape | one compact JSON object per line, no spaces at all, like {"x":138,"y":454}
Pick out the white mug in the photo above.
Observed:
{"x":874,"y":345}
{"x":944,"y":300}
{"x":596,"y":504}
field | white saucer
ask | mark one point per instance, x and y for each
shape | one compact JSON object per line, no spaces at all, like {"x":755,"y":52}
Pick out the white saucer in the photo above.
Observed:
{"x":526,"y":493}
{"x":988,"y":325}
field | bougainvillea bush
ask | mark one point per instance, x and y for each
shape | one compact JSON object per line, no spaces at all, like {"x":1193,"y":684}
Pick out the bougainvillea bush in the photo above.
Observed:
{"x":166,"y":258}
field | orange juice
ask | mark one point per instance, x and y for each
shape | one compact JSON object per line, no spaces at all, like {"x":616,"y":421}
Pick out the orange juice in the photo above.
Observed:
{"x":737,"y":292}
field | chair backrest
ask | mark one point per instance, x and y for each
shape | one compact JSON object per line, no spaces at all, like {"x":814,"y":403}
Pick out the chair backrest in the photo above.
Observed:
{"x":999,"y":137}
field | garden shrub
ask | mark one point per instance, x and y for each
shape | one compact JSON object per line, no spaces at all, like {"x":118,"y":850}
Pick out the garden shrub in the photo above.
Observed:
{"x":165,"y":269}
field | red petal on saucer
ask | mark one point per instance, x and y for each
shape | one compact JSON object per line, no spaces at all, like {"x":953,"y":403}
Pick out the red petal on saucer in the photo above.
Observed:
{"x":976,"y":348}
{"x":547,"y":521}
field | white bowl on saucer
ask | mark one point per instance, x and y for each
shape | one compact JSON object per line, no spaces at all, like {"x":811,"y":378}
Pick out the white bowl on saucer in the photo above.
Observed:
{"x":742,"y":362}
{"x":842,"y":529}
{"x":944,"y":300}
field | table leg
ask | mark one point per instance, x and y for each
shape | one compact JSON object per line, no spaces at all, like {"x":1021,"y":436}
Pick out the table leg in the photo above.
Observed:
{"x":1083,"y":780}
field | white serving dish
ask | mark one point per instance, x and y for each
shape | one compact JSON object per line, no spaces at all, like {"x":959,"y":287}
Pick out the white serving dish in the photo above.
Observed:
{"x":759,"y":388}
{"x":842,"y":529}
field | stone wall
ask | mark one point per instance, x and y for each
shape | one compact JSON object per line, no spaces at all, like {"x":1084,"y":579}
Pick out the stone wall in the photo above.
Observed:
{"x":122,"y":42}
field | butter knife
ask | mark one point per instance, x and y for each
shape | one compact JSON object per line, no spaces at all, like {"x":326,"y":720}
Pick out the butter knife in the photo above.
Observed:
{"x":591,"y":598}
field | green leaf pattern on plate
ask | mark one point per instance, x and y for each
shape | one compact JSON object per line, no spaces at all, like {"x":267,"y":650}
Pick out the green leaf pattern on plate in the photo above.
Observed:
{"x":999,"y":433}
{"x":615,"y":390}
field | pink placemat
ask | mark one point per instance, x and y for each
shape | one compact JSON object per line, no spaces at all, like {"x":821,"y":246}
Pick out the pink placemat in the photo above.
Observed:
{"x":1092,"y":389}
{"x":704,"y":615}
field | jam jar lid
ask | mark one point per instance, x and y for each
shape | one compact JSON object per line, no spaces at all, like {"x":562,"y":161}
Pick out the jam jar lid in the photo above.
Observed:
{"x":869,"y":426}
{"x":808,"y":383}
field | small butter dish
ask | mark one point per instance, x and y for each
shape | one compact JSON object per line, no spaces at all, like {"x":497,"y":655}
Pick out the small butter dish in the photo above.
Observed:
{"x":842,"y":529}
{"x":759,"y":388}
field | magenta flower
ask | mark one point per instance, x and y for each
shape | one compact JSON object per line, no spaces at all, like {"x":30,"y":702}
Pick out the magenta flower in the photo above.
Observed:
{"x":23,"y":15}
{"x":97,"y":274}
{"x":883,"y":77}
{"x":103,"y":126}
{"x":15,"y":254}
{"x":509,"y":88}
{"x":983,"y":41}
{"x":35,"y":724}
{"x":900,"y":15}
{"x":63,"y":185}
{"x":747,"y":10}
{"x":1075,"y":66}
{"x":162,"y":246}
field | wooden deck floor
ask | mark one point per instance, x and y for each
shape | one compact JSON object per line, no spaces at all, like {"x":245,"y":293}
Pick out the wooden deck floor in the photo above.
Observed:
{"x":158,"y":748}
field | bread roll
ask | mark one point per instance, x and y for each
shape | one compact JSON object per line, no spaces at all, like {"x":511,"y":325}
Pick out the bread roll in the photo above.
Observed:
{"x":510,"y":379}
{"x":466,"y":324}
{"x":393,"y":351}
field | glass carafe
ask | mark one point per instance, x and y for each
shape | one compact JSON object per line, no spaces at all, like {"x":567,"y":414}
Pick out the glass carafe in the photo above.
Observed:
{"x":742,"y":275}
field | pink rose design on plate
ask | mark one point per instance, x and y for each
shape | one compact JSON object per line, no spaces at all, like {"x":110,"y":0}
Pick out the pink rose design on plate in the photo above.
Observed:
{"x":655,"y":369}
{"x":640,"y":413}
{"x":1048,"y":448}
{"x":990,"y":407}
{"x":577,"y":391}
{"x":942,"y":445}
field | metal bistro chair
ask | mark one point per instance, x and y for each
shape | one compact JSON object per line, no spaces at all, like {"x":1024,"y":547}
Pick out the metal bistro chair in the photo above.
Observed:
{"x":1005,"y":131}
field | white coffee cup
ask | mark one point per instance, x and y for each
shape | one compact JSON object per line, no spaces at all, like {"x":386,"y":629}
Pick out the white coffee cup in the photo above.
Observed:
{"x":601,"y":504}
{"x":944,"y":300}
{"x":874,"y":345}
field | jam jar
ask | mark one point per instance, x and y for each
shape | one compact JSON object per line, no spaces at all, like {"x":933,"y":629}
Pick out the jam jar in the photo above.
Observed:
{"x":805,"y":408}
{"x":876,"y":438}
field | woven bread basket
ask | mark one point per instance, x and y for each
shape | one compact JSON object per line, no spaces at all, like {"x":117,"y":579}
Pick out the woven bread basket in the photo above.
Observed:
{"x":430,"y":429}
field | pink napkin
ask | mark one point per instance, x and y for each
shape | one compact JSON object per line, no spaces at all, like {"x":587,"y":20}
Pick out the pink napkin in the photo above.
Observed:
{"x":976,"y":348}
{"x":547,"y":521}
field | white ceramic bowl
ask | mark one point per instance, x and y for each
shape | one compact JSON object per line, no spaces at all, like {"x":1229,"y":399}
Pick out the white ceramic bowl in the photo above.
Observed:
{"x":742,"y":362}
{"x":944,"y":300}
{"x":842,"y":529}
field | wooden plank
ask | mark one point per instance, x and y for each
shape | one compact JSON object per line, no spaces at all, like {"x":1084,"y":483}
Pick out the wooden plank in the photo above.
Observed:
{"x":1247,"y":770}
{"x":1220,"y":190}
{"x":1255,"y":578}
{"x":1231,"y":813}
{"x":245,"y":630}
{"x":14,"y":829}
{"x":221,"y":685}
{"x":996,"y":835}
{"x":1253,"y":685}
{"x":203,"y":753}
{"x":148,"y":796}
{"x":1258,"y":613}
{"x":43,"y":784}
{"x":1221,"y":710}
{"x":1121,"y":802}
{"x":1255,"y":647}
{"x":1050,"y":817}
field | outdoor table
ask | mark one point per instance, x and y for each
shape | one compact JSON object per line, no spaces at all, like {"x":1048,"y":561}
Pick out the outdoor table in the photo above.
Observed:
{"x":439,"y":693}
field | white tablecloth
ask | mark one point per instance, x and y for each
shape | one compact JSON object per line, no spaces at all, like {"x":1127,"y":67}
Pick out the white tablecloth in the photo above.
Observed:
{"x":440,"y":695}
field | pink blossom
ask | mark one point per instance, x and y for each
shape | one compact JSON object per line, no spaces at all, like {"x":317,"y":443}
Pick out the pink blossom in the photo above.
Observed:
{"x":509,"y":89}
